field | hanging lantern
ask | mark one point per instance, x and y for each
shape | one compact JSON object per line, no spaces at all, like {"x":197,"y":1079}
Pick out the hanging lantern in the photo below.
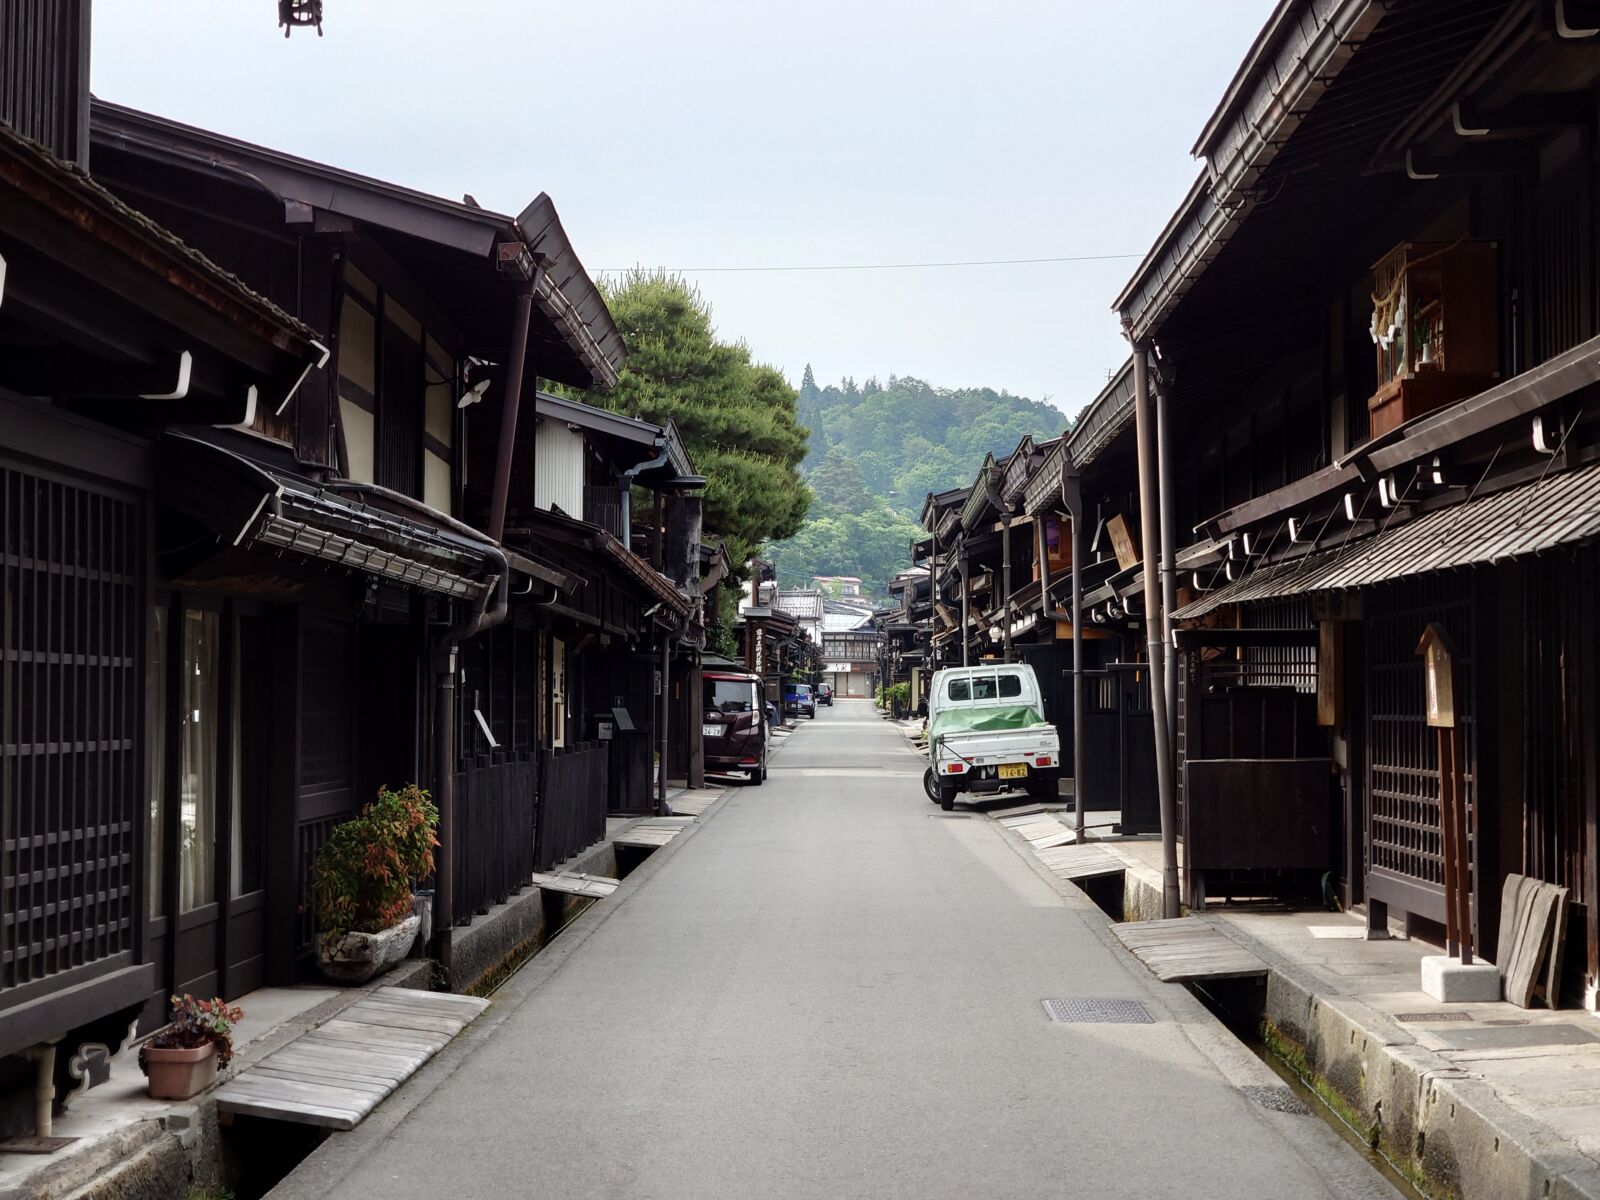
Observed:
{"x":300,"y":12}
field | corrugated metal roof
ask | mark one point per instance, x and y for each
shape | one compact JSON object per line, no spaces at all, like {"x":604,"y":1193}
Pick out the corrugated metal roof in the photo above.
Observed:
{"x":1519,"y":521}
{"x":1043,"y":489}
{"x":1103,"y":418}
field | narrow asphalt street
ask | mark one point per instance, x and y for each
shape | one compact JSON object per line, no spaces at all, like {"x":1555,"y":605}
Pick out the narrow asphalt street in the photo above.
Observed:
{"x":831,"y":989}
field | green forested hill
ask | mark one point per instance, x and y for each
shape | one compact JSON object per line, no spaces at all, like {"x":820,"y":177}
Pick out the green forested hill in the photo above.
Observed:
{"x":877,"y":450}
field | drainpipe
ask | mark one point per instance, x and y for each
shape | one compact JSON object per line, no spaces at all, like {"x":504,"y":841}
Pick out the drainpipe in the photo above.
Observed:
{"x":508,"y":411}
{"x":628,"y":476}
{"x":1169,"y":564}
{"x":666,"y":715}
{"x":1149,"y":508}
{"x":1005,"y":581}
{"x":1072,"y":501}
{"x":966,"y":609}
{"x":1005,"y":566}
{"x":491,"y":611}
{"x":933,"y":599}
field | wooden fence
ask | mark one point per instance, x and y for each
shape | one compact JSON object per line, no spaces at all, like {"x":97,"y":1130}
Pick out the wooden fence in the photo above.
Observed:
{"x":496,"y":822}
{"x":572,"y":810}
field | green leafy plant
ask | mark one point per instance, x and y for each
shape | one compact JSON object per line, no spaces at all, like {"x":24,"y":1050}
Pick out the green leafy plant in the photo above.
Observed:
{"x":194,"y":1024}
{"x":364,"y":875}
{"x":898,"y":697}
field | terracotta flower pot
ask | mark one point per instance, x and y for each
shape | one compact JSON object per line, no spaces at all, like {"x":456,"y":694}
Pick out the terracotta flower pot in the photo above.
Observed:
{"x":179,"y":1074}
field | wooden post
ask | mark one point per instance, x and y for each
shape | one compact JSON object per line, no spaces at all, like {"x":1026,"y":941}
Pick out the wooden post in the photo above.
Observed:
{"x":1438,"y":655}
{"x":1447,"y":832}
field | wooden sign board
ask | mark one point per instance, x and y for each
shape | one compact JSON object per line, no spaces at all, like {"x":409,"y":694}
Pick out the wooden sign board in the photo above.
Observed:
{"x":1330,"y":674}
{"x":1438,"y":662}
{"x":1122,"y":542}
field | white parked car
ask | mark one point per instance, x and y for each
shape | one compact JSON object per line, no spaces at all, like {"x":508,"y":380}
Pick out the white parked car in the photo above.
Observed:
{"x":987,"y":733}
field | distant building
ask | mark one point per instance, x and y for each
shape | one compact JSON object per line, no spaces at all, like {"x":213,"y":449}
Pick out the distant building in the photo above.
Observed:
{"x":839,"y":585}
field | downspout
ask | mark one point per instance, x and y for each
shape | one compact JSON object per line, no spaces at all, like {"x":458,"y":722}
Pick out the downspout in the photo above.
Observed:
{"x":491,"y":611}
{"x":1169,"y":564}
{"x":1149,"y":507}
{"x":1005,"y":567}
{"x":933,"y":599}
{"x":628,"y":476}
{"x":1072,"y":502}
{"x":966,"y":605}
{"x":508,"y":411}
{"x":666,"y":716}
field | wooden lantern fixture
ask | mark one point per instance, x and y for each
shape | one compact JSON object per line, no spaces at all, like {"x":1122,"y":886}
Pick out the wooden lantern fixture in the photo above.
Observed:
{"x":1435,"y":327}
{"x":300,"y":12}
{"x":1438,"y":654}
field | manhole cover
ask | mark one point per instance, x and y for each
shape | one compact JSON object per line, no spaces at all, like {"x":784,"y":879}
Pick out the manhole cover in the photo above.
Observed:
{"x":1278,"y":1099}
{"x":1429,"y":1018}
{"x":1518,"y":1037}
{"x":1098,"y":1012}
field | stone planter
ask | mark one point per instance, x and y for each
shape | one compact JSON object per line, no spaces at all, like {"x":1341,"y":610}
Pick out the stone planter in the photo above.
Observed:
{"x":181,"y":1073}
{"x":357,"y":957}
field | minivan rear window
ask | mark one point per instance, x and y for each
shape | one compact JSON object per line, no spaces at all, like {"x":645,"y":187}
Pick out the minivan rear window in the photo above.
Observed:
{"x":984,"y":687}
{"x":730,"y":695}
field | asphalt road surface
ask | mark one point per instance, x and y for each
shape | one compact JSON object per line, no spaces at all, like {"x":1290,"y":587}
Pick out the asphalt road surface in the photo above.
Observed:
{"x":831,"y":989}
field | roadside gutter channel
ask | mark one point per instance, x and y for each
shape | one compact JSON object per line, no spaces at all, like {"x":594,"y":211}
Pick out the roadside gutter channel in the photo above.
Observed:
{"x":1442,"y":1126}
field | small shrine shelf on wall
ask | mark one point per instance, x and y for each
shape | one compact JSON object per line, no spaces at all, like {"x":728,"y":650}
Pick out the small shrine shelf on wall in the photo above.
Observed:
{"x":1435,"y":328}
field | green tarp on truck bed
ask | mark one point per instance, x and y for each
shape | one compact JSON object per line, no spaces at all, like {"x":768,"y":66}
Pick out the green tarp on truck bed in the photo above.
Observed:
{"x":983,"y":720}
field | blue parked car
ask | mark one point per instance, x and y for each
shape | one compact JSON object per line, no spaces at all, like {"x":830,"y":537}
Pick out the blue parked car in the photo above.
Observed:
{"x":799,"y":700}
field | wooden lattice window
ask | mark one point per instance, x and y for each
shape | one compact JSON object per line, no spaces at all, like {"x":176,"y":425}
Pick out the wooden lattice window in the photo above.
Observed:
{"x":71,"y":563}
{"x":1402,"y":751}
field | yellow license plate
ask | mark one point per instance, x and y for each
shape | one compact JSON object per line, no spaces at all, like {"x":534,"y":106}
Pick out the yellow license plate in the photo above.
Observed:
{"x":1013,"y":770}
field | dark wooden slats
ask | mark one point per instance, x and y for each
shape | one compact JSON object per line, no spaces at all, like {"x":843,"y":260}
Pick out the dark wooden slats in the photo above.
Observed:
{"x":494,"y":833}
{"x":1402,"y":752}
{"x":44,"y":64}
{"x":572,"y":809}
{"x":70,"y":777}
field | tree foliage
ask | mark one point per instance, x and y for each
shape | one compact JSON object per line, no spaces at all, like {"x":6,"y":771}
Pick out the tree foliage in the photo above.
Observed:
{"x":877,"y":450}
{"x":737,"y":417}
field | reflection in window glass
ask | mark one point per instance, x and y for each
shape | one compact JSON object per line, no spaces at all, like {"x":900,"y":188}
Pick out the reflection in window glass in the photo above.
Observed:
{"x":197,"y":739}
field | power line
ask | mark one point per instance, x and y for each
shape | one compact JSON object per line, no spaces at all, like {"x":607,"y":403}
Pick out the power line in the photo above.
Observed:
{"x":904,"y":266}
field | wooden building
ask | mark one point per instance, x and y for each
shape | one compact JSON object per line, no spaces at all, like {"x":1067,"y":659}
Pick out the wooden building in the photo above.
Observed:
{"x":284,"y":518}
{"x":1371,"y":326}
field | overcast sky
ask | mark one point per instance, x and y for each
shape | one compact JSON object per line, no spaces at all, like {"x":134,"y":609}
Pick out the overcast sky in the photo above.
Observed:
{"x":742,"y":133}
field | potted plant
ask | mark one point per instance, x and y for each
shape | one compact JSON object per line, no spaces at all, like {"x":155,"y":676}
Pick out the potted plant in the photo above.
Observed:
{"x":363,"y":881}
{"x":182,"y":1059}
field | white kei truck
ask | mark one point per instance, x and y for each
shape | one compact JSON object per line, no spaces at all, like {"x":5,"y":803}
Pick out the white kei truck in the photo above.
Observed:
{"x":987,"y":733}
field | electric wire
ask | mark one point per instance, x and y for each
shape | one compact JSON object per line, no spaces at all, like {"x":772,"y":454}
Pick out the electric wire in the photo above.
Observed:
{"x":890,"y":266}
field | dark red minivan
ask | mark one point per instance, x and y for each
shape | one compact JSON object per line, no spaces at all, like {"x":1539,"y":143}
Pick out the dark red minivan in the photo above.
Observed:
{"x":735,"y":728}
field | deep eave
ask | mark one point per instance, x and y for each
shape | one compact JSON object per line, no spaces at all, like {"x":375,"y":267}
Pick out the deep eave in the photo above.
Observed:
{"x":564,"y":293}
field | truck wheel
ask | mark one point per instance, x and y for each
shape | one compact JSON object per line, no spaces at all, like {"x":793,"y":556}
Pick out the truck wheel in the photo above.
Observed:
{"x":947,"y":800}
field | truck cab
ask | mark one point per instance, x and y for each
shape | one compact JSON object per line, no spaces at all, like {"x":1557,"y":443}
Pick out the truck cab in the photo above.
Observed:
{"x":987,"y":733}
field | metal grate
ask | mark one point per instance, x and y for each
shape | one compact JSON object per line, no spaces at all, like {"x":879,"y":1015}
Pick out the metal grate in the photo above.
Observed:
{"x":1429,"y":1018}
{"x":1098,"y":1012}
{"x":1276,"y":1099}
{"x":70,"y":777}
